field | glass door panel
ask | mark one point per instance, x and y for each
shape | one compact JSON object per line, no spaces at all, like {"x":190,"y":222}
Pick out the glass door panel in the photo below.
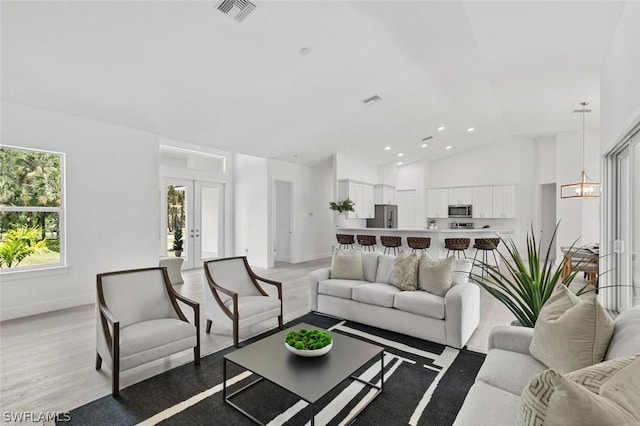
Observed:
{"x":193,"y":213}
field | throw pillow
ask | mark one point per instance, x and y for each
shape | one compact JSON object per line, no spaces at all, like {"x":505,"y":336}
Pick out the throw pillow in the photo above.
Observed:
{"x":624,"y":389}
{"x":437,"y":277}
{"x":346,"y":265}
{"x":593,"y":377}
{"x":552,"y":399}
{"x":571,"y":333}
{"x":404,"y":271}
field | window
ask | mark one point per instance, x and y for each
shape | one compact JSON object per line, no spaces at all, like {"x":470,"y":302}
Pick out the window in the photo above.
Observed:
{"x":31,"y":209}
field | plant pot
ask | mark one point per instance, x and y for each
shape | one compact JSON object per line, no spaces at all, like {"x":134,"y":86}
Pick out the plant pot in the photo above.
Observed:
{"x":177,"y":253}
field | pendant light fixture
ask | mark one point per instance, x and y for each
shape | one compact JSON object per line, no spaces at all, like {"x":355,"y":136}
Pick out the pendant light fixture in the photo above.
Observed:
{"x":584,"y":188}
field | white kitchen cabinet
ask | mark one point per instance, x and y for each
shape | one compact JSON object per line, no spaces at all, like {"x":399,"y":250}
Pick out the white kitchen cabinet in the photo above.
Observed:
{"x":504,"y":202}
{"x":460,"y":196}
{"x":361,"y":194}
{"x":437,"y":203}
{"x":482,"y":203}
{"x":385,"y":194}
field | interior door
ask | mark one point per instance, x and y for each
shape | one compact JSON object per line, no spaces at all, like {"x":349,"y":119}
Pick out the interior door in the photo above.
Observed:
{"x":194,"y":212}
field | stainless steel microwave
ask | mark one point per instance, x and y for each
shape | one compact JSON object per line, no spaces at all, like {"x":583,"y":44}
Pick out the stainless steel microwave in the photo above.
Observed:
{"x":460,"y":211}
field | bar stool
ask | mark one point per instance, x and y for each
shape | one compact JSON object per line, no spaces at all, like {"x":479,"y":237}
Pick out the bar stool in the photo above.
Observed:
{"x":345,"y":240}
{"x":419,"y":243}
{"x":486,"y":245}
{"x":457,"y":245}
{"x":368,"y":242}
{"x":391,"y":243}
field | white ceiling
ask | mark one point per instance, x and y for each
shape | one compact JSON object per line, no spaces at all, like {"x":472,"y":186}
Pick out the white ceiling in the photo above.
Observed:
{"x":183,"y":70}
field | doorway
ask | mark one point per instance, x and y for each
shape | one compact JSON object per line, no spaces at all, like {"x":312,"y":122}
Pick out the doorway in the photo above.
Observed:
{"x":193,"y":213}
{"x":283,"y":221}
{"x":548,"y":218}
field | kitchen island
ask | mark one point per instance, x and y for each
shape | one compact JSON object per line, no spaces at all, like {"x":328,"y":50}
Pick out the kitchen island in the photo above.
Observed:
{"x":437,"y":236}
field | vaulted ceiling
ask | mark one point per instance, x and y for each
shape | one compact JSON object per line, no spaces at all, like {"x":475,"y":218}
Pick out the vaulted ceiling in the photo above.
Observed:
{"x":183,"y":70}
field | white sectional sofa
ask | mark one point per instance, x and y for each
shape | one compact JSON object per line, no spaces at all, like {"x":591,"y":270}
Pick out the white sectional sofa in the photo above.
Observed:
{"x":449,"y":320}
{"x":494,"y":399}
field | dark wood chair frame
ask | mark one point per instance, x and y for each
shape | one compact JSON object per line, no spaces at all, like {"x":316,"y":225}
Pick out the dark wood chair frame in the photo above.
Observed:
{"x":346,"y":240}
{"x":215,"y":288}
{"x":109,"y":321}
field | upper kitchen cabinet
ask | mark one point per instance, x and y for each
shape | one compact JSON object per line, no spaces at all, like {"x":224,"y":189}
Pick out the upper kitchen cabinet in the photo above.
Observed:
{"x":460,"y":196}
{"x":362,"y":194}
{"x":438,"y":203}
{"x":504,"y":201}
{"x":384,"y":194}
{"x":482,"y":202}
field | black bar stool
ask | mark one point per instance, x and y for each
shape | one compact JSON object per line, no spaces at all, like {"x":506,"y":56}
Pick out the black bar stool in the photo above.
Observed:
{"x":368,"y":242}
{"x":345,"y":240}
{"x":486,"y":245}
{"x":419,"y":243}
{"x":391,"y":243}
{"x":457,"y":246}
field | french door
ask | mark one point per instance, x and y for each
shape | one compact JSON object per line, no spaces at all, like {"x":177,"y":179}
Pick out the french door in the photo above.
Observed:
{"x":193,"y":211}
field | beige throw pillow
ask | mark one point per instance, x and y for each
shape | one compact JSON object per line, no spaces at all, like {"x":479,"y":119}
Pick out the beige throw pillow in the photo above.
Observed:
{"x":436,"y":277}
{"x":552,"y":399}
{"x":571,"y":333}
{"x":404,"y":271}
{"x":593,"y":377}
{"x":346,"y":265}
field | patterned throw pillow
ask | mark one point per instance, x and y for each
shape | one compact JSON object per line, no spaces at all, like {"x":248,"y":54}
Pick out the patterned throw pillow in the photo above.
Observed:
{"x":346,"y":265}
{"x":552,"y":399}
{"x":404,"y":272}
{"x":593,"y":377}
{"x":437,"y":277}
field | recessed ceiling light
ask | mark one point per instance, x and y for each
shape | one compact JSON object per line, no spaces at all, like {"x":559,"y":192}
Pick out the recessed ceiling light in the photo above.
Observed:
{"x":424,"y":145}
{"x":372,"y":100}
{"x":449,"y":147}
{"x":305,"y":51}
{"x":387,"y":148}
{"x":470,"y":129}
{"x":399,"y":163}
{"x":441,"y":128}
{"x":400,"y":154}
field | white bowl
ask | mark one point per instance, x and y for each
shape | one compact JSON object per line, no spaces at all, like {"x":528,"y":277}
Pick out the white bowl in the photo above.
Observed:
{"x":309,"y":352}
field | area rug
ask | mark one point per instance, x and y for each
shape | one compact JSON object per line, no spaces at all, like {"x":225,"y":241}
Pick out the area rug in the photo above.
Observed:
{"x":425,"y":384}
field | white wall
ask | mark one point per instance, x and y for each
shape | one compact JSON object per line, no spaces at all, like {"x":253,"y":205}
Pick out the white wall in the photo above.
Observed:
{"x":411,"y":176}
{"x":620,"y":79}
{"x":545,"y":159}
{"x":354,"y":169}
{"x":112,"y":205}
{"x":251,"y":209}
{"x":312,"y":219}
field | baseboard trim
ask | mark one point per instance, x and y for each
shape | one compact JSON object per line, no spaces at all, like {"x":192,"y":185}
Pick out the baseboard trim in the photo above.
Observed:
{"x":41,"y":308}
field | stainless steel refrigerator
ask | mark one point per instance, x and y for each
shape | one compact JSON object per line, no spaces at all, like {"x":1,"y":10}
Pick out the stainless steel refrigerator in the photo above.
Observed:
{"x":386,"y":216}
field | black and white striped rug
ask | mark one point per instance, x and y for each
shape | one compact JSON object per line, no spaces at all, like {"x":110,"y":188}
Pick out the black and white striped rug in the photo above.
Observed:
{"x":425,"y":384}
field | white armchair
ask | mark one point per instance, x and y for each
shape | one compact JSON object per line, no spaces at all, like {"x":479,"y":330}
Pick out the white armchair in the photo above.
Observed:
{"x":138,"y":320}
{"x":234,"y":298}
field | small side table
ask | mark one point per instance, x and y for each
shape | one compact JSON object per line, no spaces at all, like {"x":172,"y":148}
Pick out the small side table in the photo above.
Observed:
{"x":174,"y":266}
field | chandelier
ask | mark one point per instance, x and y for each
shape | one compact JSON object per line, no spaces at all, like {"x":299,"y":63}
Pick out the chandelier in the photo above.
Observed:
{"x":584,"y":188}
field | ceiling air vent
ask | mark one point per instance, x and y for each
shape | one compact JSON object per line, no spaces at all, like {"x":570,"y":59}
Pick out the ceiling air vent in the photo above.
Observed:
{"x":372,"y":100}
{"x":427,"y":138}
{"x":236,"y":9}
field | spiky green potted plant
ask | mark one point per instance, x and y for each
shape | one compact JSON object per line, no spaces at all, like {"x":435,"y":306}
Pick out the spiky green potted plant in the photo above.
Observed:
{"x":526,"y":284}
{"x":177,"y":241}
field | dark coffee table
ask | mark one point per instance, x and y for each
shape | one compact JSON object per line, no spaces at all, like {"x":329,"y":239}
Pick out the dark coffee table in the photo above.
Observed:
{"x":308,"y":378}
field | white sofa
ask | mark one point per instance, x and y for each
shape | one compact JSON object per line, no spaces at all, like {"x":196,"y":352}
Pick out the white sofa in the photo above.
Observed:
{"x":448,"y":320}
{"x":494,"y":399}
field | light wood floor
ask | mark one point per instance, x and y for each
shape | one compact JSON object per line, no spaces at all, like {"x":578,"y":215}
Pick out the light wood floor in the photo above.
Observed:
{"x":47,"y":360}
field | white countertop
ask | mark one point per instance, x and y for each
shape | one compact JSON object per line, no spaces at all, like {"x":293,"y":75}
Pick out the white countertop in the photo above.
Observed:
{"x":435,"y":231}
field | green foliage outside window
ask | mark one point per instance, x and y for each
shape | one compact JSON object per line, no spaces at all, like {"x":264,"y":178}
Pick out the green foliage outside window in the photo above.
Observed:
{"x":30,"y":206}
